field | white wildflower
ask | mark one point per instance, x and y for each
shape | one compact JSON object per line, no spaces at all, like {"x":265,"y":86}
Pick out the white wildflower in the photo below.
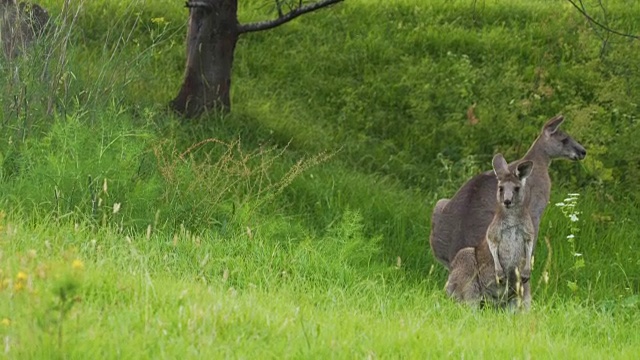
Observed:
{"x":571,"y":236}
{"x":573,"y":217}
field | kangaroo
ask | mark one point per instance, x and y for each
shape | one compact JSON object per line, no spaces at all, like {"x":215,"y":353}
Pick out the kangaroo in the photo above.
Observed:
{"x":493,"y":271}
{"x":462,"y":221}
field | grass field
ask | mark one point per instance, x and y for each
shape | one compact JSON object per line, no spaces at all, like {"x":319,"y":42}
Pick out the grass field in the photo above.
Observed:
{"x":297,"y":226}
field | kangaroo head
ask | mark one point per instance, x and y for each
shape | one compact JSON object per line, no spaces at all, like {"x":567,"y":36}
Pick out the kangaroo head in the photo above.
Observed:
{"x":557,"y":144}
{"x":511,"y":183}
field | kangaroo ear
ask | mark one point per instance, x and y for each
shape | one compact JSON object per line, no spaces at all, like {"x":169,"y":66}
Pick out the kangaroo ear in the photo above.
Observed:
{"x":552,"y":124}
{"x":499,"y":165}
{"x":524,"y":169}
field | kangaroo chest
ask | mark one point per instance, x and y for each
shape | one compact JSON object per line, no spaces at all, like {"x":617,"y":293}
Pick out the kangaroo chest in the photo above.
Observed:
{"x":512,"y":234}
{"x":511,"y":254}
{"x":511,"y":249}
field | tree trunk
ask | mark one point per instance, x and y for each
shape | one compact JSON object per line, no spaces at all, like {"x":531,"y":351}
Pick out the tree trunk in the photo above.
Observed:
{"x":211,"y":40}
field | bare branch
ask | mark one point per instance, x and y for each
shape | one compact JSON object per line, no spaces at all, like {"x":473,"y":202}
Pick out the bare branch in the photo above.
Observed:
{"x":602,"y":34}
{"x":602,"y":26}
{"x":284,"y":18}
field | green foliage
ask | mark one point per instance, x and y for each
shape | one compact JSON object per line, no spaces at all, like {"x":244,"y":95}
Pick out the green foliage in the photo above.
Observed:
{"x":298,"y":225}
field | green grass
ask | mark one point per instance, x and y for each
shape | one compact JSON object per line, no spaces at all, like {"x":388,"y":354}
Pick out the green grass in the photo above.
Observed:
{"x":297,"y":226}
{"x":207,"y":296}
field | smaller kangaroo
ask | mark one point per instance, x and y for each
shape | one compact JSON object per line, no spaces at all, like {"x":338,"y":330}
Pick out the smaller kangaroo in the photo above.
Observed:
{"x":494,"y":271}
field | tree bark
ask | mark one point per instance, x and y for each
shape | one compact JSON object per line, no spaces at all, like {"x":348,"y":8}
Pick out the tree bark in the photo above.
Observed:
{"x":211,"y":40}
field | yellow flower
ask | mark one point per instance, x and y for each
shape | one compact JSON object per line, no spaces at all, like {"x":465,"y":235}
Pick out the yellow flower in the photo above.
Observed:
{"x":5,"y":322}
{"x":159,"y":21}
{"x":22,"y":276}
{"x":21,"y":280}
{"x":77,"y":264}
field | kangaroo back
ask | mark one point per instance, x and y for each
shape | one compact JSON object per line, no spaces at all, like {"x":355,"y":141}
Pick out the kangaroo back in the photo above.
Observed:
{"x":462,"y":221}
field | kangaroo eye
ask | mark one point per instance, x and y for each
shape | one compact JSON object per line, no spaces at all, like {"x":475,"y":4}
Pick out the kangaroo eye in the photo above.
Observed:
{"x":516,"y":189}
{"x":501,"y":189}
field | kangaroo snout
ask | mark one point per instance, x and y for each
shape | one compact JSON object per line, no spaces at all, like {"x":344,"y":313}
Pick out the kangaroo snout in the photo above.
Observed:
{"x":576,"y":151}
{"x":580,"y":153}
{"x":507,"y":203}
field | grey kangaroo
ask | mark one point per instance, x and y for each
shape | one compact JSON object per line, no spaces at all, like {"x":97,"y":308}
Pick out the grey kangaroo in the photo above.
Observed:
{"x":493,"y":271}
{"x":462,"y":221}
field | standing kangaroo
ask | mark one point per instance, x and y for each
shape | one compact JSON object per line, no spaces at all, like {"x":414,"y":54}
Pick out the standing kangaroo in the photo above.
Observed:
{"x":492,"y":272}
{"x":462,"y":221}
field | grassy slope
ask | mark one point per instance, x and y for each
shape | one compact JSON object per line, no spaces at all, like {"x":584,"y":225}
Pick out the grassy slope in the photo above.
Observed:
{"x":313,"y":270}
